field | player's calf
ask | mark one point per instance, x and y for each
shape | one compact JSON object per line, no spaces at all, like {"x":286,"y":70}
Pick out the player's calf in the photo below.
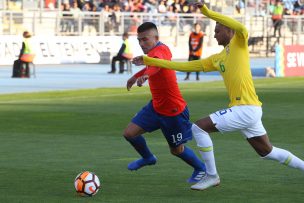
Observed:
{"x":285,"y":157}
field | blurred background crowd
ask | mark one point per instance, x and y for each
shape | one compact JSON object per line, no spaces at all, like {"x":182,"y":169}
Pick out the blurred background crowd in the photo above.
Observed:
{"x":291,"y":7}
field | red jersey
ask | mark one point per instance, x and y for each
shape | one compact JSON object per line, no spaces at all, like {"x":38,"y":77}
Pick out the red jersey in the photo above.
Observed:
{"x":166,"y":96}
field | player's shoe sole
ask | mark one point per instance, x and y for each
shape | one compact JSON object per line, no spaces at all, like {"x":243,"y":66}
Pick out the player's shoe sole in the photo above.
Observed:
{"x":135,"y":165}
{"x":206,"y":182}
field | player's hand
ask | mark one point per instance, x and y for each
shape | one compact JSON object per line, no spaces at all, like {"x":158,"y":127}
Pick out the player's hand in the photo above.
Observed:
{"x":131,"y":82}
{"x":141,"y":80}
{"x":199,"y":4}
{"x":138,"y":60}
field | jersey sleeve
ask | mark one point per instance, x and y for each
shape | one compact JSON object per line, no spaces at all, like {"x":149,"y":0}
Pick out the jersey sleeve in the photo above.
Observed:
{"x":239,"y":28}
{"x":180,"y":66}
{"x":140,"y":73}
{"x":206,"y":65}
{"x":151,"y":70}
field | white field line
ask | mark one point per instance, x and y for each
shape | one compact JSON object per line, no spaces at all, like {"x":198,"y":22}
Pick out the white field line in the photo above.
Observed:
{"x":282,"y":84}
{"x":40,"y":100}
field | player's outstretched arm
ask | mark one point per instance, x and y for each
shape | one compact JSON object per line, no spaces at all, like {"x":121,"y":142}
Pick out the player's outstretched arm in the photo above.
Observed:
{"x":222,"y":19}
{"x":188,"y":66}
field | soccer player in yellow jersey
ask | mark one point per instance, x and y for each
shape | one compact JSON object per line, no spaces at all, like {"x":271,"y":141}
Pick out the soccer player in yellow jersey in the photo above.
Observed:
{"x":244,"y":113}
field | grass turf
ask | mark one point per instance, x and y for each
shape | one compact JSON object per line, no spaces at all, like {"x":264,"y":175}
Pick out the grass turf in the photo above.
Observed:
{"x":48,"y":138}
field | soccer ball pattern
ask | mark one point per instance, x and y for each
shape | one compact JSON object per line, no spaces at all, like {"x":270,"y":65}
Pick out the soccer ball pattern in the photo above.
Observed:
{"x":87,"y":183}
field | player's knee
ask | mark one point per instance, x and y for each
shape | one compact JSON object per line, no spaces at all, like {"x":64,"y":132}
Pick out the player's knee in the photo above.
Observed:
{"x":127,"y":133}
{"x":177,"y":150}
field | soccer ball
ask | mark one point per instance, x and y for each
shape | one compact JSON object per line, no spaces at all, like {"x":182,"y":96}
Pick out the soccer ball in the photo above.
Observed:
{"x":87,"y":184}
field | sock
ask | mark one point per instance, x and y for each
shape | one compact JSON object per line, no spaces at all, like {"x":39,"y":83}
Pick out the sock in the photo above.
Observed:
{"x":140,"y":145}
{"x":190,"y":158}
{"x":205,"y":145}
{"x":285,"y":157}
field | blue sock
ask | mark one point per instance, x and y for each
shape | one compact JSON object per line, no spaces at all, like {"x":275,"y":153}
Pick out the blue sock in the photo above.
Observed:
{"x":140,"y":145}
{"x":190,"y":158}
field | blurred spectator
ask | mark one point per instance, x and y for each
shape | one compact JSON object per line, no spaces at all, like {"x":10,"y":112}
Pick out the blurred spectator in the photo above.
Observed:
{"x":269,"y":72}
{"x":171,"y":16}
{"x":50,"y":4}
{"x":26,"y":55}
{"x":123,"y":54}
{"x":271,"y":6}
{"x":184,"y":6}
{"x":239,"y":7}
{"x":277,"y":17}
{"x":139,"y":6}
{"x":176,"y":6}
{"x":107,"y":13}
{"x":151,"y":6}
{"x":116,"y":17}
{"x":94,"y":18}
{"x":288,"y":5}
{"x":299,"y":7}
{"x":67,"y":20}
{"x":196,"y":39}
{"x":75,"y":10}
{"x":162,"y":7}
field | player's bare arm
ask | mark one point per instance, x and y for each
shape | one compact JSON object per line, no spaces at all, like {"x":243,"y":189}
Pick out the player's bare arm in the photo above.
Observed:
{"x":131,"y":82}
{"x":141,"y":80}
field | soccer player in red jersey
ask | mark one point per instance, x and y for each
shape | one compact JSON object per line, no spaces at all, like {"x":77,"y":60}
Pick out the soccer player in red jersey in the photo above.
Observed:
{"x":166,"y":111}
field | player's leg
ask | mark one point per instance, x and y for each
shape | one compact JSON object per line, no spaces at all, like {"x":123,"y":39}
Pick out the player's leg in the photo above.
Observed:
{"x":133,"y":134}
{"x":258,"y":139}
{"x":177,"y":130}
{"x":187,"y":155}
{"x":225,"y":120}
{"x":144,"y":121}
{"x":200,"y":131}
{"x":264,"y":148}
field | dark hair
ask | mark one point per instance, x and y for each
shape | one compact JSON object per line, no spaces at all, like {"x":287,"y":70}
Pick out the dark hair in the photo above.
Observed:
{"x":125,"y":34}
{"x":26,"y":34}
{"x":196,"y":24}
{"x":146,"y":26}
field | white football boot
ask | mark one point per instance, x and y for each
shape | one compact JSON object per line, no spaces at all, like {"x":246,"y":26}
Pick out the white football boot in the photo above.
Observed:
{"x":206,"y":182}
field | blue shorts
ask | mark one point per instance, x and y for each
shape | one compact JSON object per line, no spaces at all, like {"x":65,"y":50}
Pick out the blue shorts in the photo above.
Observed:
{"x":176,"y":129}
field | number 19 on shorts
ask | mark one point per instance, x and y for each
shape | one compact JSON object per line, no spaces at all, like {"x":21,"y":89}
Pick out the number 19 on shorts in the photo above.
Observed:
{"x":177,"y":138}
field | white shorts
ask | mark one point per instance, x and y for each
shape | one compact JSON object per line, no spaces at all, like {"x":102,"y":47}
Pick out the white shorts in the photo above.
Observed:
{"x":244,"y":118}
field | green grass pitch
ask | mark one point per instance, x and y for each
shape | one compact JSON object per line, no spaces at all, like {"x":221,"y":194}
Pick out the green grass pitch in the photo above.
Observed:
{"x":46,"y":139}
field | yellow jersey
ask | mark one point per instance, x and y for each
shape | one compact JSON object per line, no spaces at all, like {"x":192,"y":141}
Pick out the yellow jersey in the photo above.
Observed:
{"x":232,"y":63}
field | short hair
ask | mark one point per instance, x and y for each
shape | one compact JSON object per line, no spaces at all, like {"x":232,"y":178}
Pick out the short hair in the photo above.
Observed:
{"x":125,"y":34}
{"x":146,"y":26}
{"x":27,"y":34}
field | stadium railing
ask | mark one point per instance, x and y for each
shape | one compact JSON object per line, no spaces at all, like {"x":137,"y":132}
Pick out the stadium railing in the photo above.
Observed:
{"x":173,"y":26}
